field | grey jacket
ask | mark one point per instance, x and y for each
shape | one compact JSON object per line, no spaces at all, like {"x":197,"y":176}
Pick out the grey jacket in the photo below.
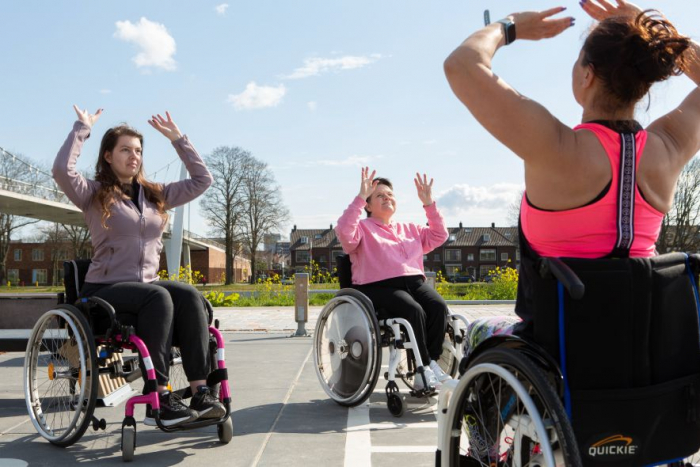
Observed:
{"x":129,"y":250}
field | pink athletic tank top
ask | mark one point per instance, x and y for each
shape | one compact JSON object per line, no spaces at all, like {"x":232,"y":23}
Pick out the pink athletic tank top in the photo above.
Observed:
{"x":591,"y":231}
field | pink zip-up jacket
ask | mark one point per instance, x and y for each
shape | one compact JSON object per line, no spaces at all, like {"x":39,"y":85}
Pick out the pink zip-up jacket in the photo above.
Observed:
{"x":129,"y":250}
{"x":378,"y":251}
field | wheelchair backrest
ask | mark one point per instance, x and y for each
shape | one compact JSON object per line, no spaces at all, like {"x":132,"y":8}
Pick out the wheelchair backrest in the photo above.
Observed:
{"x":74,"y":277}
{"x":344,"y":268}
{"x":630,"y":356}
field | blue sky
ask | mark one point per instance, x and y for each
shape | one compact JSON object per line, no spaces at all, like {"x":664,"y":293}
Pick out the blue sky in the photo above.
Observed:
{"x":314,"y":88}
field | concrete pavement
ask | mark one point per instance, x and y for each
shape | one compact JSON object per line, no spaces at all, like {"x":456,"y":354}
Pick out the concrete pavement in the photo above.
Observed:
{"x":281,"y":415}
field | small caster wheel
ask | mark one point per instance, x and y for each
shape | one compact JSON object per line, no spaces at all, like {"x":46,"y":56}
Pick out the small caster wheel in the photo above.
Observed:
{"x":128,"y":443}
{"x":225,"y":430}
{"x":100,"y":424}
{"x":395,"y":405}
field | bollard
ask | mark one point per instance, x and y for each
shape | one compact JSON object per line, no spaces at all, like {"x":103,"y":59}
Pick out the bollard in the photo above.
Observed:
{"x":430,"y":279}
{"x":301,"y":303}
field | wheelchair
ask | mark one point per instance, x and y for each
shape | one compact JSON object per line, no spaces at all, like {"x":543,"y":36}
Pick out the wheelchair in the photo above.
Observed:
{"x":574,"y":393}
{"x":70,"y":361}
{"x":348,"y":342}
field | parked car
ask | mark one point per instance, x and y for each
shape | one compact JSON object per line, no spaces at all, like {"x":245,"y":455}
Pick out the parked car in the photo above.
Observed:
{"x":462,"y":279}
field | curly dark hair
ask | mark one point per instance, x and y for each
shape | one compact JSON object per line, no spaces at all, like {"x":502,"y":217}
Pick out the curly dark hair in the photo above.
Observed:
{"x":630,"y":54}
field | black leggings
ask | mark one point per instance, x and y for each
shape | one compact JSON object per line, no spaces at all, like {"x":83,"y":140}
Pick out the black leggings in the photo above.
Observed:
{"x":164,"y":313}
{"x":409,"y":297}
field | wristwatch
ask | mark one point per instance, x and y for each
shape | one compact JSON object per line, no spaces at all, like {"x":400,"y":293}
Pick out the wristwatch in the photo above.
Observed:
{"x":508,"y":30}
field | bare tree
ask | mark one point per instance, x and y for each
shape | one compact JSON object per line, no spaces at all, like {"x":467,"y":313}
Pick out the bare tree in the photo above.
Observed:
{"x":679,"y":230}
{"x":54,"y":237}
{"x":264,"y":210}
{"x":513,"y":210}
{"x":79,"y":239}
{"x":223,"y":205}
{"x":19,"y":175}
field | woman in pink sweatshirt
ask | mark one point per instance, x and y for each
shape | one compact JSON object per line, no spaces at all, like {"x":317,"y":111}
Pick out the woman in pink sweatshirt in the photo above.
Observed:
{"x":387,"y":263}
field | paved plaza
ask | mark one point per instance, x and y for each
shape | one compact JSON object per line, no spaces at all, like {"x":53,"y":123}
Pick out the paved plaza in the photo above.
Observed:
{"x":281,"y":415}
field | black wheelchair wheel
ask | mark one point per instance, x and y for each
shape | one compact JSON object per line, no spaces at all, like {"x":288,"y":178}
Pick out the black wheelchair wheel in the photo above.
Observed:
{"x":395,"y":404}
{"x":61,"y":375}
{"x":225,"y":431}
{"x":508,"y":414}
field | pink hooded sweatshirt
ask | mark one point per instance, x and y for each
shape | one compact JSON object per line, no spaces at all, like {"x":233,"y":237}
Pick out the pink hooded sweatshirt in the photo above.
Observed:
{"x":378,"y":251}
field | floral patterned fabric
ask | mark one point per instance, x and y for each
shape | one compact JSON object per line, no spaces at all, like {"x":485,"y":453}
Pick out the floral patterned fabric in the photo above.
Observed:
{"x":481,"y":329}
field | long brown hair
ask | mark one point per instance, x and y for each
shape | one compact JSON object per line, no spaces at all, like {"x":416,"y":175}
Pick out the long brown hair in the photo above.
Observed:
{"x":111,"y":187}
{"x":629,"y":54}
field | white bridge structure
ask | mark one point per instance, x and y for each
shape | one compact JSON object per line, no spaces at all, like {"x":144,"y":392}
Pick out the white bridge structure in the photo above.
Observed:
{"x":48,"y":203}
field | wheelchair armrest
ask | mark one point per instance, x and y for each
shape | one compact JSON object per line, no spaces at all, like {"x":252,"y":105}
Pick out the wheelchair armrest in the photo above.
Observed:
{"x":96,"y":301}
{"x":563,"y":274}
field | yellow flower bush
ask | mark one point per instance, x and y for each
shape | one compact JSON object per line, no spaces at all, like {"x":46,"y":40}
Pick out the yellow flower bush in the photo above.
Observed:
{"x":185,"y":274}
{"x":505,"y":283}
{"x":219,"y":299}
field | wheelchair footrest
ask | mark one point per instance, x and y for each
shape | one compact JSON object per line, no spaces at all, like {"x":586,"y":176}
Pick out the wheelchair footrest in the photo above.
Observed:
{"x":423,"y":392}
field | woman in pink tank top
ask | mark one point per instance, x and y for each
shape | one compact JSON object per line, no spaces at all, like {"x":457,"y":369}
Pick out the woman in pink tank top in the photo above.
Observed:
{"x":599,"y":189}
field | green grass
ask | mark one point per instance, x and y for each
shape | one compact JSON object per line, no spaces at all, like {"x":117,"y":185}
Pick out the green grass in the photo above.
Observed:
{"x":283,"y":295}
{"x":31,"y":289}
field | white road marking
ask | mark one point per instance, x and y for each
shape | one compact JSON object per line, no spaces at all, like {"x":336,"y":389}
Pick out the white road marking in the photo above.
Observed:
{"x":357,"y":441}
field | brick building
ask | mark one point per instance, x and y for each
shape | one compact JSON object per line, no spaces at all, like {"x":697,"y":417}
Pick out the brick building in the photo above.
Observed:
{"x":29,"y":263}
{"x":319,"y":244}
{"x":470,"y":251}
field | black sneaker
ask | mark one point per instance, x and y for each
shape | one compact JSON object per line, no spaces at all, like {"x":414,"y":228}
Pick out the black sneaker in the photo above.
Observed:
{"x":172,"y":411}
{"x":206,"y":404}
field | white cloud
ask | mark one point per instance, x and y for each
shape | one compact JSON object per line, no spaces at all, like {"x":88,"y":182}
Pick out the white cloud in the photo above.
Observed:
{"x":312,"y":106}
{"x":221,"y":9}
{"x":466,"y":199}
{"x":105,"y":91}
{"x":316,"y":66}
{"x":257,"y":97}
{"x":156,"y":44}
{"x":352,"y":161}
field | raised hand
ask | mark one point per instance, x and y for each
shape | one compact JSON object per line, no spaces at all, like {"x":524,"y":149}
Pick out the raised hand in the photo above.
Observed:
{"x":85,"y":117}
{"x":425,"y":189}
{"x":166,"y":126}
{"x":602,"y":9}
{"x":368,"y":184}
{"x":536,"y":25}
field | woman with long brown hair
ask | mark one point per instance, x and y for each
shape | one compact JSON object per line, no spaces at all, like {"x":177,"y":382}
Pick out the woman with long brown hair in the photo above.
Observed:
{"x":126,"y":215}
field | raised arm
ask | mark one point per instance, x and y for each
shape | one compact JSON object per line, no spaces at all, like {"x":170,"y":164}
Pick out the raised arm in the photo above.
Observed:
{"x":523,"y":125}
{"x":435,"y":234}
{"x":348,"y":227}
{"x":79,"y":190}
{"x":680,"y":128}
{"x":183,"y":191}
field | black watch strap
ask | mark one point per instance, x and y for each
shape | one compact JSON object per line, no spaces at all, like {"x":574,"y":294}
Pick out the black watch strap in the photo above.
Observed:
{"x":508,"y":30}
